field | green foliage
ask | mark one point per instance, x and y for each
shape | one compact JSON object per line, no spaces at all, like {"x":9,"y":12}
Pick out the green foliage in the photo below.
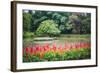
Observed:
{"x":28,"y":35}
{"x":61,"y":27}
{"x":49,"y":56}
{"x":74,"y":23}
{"x":86,"y":52}
{"x":27,"y":19}
{"x":78,"y":54}
{"x":47,"y":27}
{"x":86,"y":24}
{"x":66,"y":22}
{"x":69,"y":26}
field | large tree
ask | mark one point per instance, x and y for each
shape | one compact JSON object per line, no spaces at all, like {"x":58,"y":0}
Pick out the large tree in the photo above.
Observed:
{"x":47,"y":28}
{"x":27,"y":19}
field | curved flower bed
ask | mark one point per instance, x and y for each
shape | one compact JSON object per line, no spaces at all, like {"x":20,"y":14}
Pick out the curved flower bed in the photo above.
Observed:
{"x":72,"y":51}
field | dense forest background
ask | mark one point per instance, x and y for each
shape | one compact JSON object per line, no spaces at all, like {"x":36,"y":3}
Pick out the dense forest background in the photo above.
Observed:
{"x":65,"y":22}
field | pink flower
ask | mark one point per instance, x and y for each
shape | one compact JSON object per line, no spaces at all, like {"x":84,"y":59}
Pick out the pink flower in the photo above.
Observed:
{"x":54,"y":45}
{"x":60,"y":46}
{"x":66,"y":45}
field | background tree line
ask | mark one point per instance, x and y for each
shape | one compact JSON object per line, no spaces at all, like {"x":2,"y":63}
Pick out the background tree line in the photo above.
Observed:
{"x":66,"y":22}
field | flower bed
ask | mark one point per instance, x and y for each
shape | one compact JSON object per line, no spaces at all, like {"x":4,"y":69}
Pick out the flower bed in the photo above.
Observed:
{"x":70,"y":51}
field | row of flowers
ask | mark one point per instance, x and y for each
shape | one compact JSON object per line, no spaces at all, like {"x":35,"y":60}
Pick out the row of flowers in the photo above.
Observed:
{"x":56,"y":52}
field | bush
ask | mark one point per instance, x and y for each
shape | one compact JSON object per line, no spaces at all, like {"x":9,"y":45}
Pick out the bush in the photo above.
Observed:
{"x":28,"y":34}
{"x":47,"y":28}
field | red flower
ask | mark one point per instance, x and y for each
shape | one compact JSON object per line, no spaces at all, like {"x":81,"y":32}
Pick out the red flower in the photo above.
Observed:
{"x":78,"y":46}
{"x":27,"y":50}
{"x":54,"y":46}
{"x":38,"y":48}
{"x":41,"y":50}
{"x":45,"y":47}
{"x":31,"y":51}
{"x":60,"y":47}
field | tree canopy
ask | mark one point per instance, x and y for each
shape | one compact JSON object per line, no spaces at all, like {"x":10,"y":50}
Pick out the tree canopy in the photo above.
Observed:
{"x":47,"y":28}
{"x":65,"y":22}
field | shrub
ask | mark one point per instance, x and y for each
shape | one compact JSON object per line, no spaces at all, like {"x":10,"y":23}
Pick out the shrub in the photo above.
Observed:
{"x":28,"y":34}
{"x":47,"y":28}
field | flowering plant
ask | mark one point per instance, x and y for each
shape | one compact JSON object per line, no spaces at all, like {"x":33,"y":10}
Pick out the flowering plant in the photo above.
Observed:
{"x":72,"y":51}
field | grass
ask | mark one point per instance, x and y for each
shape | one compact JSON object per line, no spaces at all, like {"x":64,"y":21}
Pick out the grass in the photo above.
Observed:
{"x":76,"y":35}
